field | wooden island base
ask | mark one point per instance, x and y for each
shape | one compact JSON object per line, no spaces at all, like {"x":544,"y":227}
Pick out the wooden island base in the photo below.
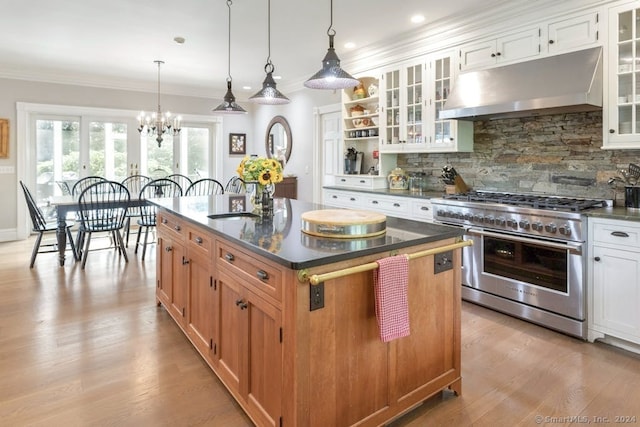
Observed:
{"x":287,"y":365}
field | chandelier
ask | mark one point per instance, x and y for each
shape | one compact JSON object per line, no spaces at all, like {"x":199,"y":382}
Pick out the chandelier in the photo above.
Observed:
{"x":158,"y":124}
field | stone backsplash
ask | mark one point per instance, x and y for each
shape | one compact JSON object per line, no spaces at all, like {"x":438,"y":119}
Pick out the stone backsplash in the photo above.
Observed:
{"x":557,"y":154}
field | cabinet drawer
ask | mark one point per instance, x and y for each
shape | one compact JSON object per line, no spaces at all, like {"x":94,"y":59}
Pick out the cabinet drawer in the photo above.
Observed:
{"x":619,"y":233}
{"x":257,"y":275}
{"x":395,"y":206}
{"x":199,"y":240}
{"x":169,"y":225}
{"x":344,"y":199}
{"x":361,"y":181}
{"x":421,"y":210}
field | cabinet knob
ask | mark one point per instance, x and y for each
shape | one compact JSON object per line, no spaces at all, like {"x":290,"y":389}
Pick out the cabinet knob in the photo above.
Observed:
{"x":177,"y":228}
{"x":168,"y":249}
{"x":262,"y":275}
{"x":185,"y":261}
{"x":551,"y":41}
{"x":596,"y":258}
{"x":498,"y":54}
{"x":239,"y":301}
{"x":493,"y":55}
{"x":164,"y":220}
{"x":612,"y":131}
{"x":229,"y":257}
{"x":198,"y":240}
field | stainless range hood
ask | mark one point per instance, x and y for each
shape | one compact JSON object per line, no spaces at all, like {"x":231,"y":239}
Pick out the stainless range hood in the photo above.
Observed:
{"x":563,"y":83}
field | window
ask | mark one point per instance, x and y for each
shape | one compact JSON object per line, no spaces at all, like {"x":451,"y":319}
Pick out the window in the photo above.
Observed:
{"x":108,"y":150}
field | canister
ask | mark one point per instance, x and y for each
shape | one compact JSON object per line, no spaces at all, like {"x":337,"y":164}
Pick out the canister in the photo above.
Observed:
{"x":417,"y":182}
{"x":632,"y":197}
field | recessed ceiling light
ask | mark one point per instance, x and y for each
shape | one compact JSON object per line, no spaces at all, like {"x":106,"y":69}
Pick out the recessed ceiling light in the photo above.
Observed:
{"x":349,"y":45}
{"x":179,"y":40}
{"x":418,"y":18}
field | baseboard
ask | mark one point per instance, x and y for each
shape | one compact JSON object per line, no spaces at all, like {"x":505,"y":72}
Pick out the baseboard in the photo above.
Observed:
{"x":9,"y":235}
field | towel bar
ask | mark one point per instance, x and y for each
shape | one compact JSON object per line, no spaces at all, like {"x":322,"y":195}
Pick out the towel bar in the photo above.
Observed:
{"x":314,"y":279}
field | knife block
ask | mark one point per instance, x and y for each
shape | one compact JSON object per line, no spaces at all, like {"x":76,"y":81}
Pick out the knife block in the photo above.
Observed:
{"x":458,"y":187}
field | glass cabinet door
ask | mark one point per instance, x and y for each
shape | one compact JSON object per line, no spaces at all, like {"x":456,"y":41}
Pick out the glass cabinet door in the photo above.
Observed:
{"x":442,"y":79}
{"x":628,"y":72}
{"x":414,"y":76}
{"x":392,"y":107}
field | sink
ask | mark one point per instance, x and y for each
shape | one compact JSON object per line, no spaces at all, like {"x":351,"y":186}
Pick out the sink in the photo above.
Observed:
{"x":233,"y":215}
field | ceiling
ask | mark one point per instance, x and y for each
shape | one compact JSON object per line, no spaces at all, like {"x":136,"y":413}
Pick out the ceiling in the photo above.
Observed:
{"x":114,"y":43}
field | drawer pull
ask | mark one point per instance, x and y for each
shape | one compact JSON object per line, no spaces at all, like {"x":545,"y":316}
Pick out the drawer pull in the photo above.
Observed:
{"x":198,"y":240}
{"x":397,"y":205}
{"x":353,"y":199}
{"x":229,"y":257}
{"x":596,"y":258}
{"x":334,"y":196}
{"x":239,"y":301}
{"x":619,"y":234}
{"x":424,"y":208}
{"x":262,"y":275}
{"x":177,"y":228}
{"x":362,"y":181}
{"x":375,"y":202}
{"x":168,"y":249}
{"x":343,"y":180}
{"x":185,"y":261}
{"x":164,"y":220}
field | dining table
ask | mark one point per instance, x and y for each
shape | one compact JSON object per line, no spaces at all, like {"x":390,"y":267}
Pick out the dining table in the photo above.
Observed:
{"x":68,"y":203}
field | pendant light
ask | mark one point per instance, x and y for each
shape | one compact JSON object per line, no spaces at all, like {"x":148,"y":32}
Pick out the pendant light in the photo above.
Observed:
{"x":269,"y":95}
{"x":331,"y":76}
{"x":229,"y":105}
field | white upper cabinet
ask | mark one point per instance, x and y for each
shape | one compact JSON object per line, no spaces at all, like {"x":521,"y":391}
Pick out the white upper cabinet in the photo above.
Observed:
{"x":573,"y":33}
{"x":511,"y":47}
{"x":621,"y":120}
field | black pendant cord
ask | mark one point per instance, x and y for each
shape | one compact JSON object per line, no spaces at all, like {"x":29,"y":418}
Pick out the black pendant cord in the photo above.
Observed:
{"x":229,"y":3}
{"x":330,"y":30}
{"x":159,"y":63}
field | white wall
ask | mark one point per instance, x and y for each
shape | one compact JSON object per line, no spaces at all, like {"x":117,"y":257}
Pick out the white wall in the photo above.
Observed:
{"x":299,"y":114}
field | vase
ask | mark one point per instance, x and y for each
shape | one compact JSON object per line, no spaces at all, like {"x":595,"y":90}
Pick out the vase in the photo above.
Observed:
{"x":262,"y":198}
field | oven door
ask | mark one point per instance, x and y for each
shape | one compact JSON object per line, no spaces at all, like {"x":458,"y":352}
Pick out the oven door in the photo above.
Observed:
{"x":537,"y":272}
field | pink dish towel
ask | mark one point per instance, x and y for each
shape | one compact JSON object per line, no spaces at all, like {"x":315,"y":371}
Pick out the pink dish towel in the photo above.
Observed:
{"x":391,"y":281}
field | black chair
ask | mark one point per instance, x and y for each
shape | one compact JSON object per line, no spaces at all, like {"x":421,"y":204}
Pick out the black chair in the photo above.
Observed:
{"x":134,"y":184}
{"x":235,"y":185}
{"x":204,"y":187}
{"x":83,"y":183}
{"x":99,"y":213}
{"x":147,"y":219}
{"x":41,"y":226}
{"x":183,"y":180}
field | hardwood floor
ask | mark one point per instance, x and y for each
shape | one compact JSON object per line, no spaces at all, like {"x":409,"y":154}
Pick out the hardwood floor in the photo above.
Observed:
{"x":90,"y":348}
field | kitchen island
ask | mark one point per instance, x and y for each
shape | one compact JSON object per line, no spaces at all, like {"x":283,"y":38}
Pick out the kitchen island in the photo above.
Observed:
{"x":294,"y":353}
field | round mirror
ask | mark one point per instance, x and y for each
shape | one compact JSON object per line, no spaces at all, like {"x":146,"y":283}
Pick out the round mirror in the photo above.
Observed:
{"x":278,"y":140}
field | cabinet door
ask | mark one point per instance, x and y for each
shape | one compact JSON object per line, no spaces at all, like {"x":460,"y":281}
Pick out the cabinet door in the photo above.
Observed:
{"x":412,"y":132}
{"x":261,"y":350}
{"x":390,"y":118}
{"x":229,"y":337}
{"x":164,"y":270}
{"x":178,"y":301}
{"x":616,"y":292}
{"x":622,"y":124}
{"x":518,"y":46}
{"x":478,"y":55}
{"x":573,"y":33}
{"x":201,"y":310}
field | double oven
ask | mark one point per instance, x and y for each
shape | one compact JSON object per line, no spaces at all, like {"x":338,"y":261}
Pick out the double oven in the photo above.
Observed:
{"x":527,"y":257}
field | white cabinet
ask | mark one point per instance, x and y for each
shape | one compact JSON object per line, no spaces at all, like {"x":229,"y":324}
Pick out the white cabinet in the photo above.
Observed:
{"x":508,"y":48}
{"x":412,"y":96}
{"x":621,"y":121}
{"x":576,"y":32}
{"x":614,"y":279}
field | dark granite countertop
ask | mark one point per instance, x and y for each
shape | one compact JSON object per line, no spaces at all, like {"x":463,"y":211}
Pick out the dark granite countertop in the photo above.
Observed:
{"x":432,"y":194}
{"x":617,"y":212}
{"x":280,"y":238}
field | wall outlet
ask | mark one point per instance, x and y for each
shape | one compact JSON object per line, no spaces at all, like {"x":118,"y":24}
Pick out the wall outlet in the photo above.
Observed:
{"x":7,"y":169}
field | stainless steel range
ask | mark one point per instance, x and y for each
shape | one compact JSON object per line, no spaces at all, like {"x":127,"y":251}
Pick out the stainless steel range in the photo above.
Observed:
{"x":527,"y":256}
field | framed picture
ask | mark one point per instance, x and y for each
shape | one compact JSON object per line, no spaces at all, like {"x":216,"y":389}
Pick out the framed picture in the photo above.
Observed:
{"x":4,"y":138}
{"x":237,"y":143}
{"x":237,"y":204}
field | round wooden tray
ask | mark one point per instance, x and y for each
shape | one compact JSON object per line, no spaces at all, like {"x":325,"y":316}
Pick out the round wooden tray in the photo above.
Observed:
{"x":343,"y":223}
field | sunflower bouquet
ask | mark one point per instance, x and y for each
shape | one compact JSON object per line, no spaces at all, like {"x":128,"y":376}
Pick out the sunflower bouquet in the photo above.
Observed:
{"x":262,"y":170}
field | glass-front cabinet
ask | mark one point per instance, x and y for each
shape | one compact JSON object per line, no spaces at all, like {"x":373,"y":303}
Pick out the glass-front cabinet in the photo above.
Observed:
{"x":622,"y":126}
{"x":412,"y":97}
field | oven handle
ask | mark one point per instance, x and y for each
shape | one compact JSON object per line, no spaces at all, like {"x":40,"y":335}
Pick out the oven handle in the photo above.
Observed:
{"x":570,"y":246}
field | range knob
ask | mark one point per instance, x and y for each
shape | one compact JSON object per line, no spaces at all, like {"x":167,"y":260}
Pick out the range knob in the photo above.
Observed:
{"x":440,"y":212}
{"x":512,"y":223}
{"x":565,"y":230}
{"x":524,"y":224}
{"x":500,"y":221}
{"x":457,"y":215}
{"x":477,"y":218}
{"x":551,"y":228}
{"x":537,"y":226}
{"x":468,"y":216}
{"x":489,"y":219}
